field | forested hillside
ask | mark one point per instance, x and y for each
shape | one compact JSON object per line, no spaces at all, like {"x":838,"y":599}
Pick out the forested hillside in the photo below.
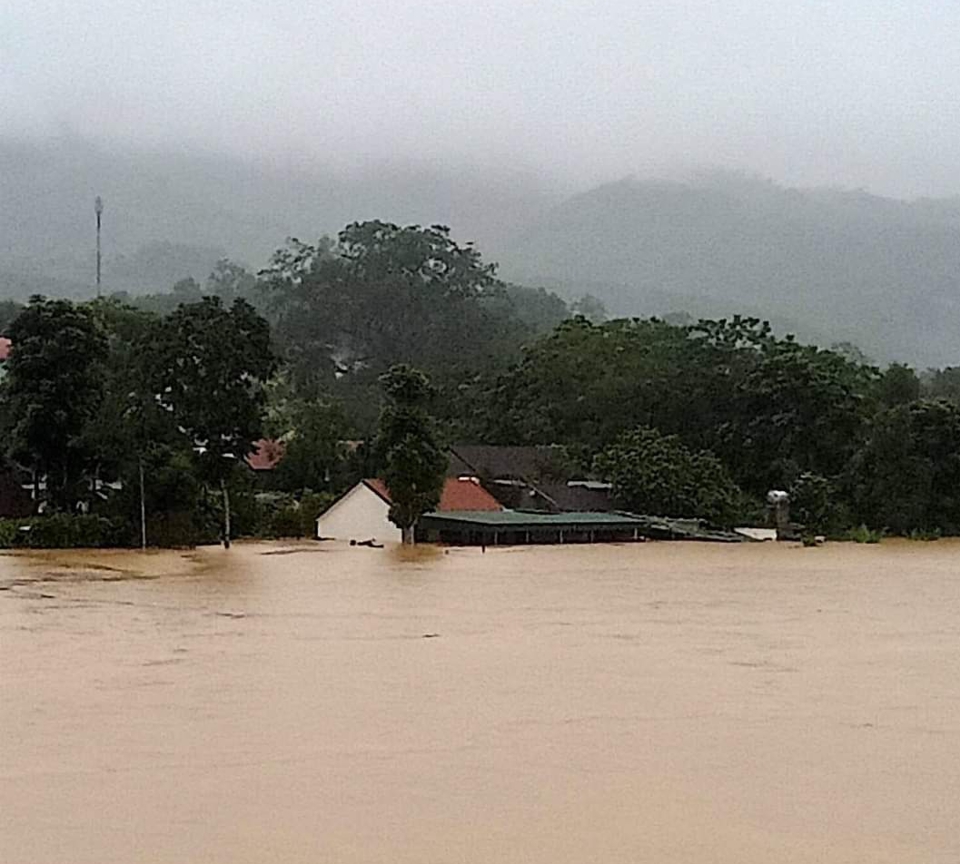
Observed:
{"x":832,"y":266}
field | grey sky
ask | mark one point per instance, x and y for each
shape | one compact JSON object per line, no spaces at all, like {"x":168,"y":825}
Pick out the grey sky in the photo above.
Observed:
{"x":851,"y":92}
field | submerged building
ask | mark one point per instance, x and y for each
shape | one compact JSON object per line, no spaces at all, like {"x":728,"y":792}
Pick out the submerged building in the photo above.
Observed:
{"x":523,"y":527}
{"x":362,"y":513}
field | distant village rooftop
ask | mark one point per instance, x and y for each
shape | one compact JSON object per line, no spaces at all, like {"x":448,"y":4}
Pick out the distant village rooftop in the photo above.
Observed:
{"x":267,"y":455}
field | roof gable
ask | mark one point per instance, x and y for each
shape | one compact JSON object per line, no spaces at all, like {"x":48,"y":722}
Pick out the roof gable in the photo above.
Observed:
{"x":377,"y":486}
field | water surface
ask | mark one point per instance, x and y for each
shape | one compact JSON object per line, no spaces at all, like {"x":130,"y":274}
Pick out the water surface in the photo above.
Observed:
{"x":660,"y":702}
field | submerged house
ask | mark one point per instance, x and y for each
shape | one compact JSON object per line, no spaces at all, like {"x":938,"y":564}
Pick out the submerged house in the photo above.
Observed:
{"x":506,"y":496}
{"x":362,"y":513}
{"x":525,"y":527}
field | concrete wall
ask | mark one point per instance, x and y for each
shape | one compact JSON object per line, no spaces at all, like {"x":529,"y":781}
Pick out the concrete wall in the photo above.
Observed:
{"x":361,"y":514}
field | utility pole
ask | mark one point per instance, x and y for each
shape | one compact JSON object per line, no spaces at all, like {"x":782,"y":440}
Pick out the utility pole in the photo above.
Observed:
{"x":98,"y":209}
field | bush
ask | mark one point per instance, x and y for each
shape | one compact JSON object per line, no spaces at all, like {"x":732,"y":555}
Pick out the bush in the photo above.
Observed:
{"x":918,"y":534}
{"x":8,"y":533}
{"x":62,"y":531}
{"x":312,"y":504}
{"x":284,"y":516}
{"x":177,"y":529}
{"x":286,"y":522}
{"x":862,"y":534}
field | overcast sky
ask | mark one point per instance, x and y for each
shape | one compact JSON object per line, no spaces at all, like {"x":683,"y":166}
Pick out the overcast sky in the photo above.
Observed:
{"x":848,"y":92}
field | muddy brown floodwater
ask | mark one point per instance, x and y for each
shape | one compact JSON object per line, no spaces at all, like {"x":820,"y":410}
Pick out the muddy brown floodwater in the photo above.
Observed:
{"x":650,"y":703}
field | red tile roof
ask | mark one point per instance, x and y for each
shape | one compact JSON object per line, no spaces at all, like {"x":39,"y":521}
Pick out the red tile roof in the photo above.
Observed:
{"x":457,"y":495}
{"x":5,"y":346}
{"x":466,"y":494}
{"x":378,"y":486}
{"x":266,"y":456}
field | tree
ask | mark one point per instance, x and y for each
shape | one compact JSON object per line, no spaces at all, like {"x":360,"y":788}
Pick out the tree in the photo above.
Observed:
{"x":314,"y":456}
{"x":9,"y":310}
{"x":591,"y":308}
{"x":798,"y":408}
{"x":813,"y":503}
{"x":943,"y":384}
{"x":897,"y":385}
{"x":907,"y":476}
{"x":415,"y":463}
{"x":384,"y":294}
{"x":129,"y":422}
{"x":230,"y":281}
{"x":213,"y":364}
{"x":656,"y":474}
{"x":53,"y":388}
{"x":187,"y":290}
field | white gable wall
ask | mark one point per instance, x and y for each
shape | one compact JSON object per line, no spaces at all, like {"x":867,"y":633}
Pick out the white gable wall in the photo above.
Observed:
{"x":361,"y":514}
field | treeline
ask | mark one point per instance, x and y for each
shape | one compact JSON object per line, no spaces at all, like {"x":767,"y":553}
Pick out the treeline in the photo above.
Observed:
{"x":727,"y":411}
{"x":141,"y":410}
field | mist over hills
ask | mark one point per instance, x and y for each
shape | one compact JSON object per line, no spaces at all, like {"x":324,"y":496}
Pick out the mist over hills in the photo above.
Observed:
{"x":830,"y":265}
{"x":168,"y":216}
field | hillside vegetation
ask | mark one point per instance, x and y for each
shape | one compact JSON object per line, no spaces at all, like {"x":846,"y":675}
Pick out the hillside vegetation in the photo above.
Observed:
{"x":831,"y":266}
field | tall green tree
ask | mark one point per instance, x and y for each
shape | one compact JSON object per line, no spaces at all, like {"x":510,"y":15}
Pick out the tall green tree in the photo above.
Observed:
{"x":798,"y":408}
{"x":54,"y":386}
{"x":814,"y":503}
{"x":657,"y":475}
{"x":769,"y":408}
{"x":898,"y":384}
{"x":213,"y":364}
{"x":383,"y":294}
{"x":415,"y":462}
{"x":314,"y":452}
{"x":131,"y":432}
{"x":907,"y":475}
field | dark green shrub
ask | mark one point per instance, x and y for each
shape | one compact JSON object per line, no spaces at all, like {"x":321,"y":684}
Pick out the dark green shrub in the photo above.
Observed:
{"x":62,"y":531}
{"x":862,"y":534}
{"x":813,"y":503}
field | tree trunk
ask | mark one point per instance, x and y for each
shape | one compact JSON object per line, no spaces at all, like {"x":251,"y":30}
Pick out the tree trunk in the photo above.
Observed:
{"x":226,"y":514}
{"x":407,"y":535}
{"x":143,"y":506}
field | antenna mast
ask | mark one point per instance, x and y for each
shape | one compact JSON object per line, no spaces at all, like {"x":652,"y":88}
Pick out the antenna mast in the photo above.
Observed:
{"x":98,"y":209}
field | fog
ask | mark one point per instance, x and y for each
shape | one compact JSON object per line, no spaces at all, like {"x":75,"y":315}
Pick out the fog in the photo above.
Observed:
{"x":858,"y":94}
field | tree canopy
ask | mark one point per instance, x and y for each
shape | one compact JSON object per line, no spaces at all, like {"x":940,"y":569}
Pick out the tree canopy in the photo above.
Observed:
{"x":656,"y":474}
{"x":53,"y":389}
{"x":413,"y":458}
{"x":385,"y":294}
{"x":212,"y":364}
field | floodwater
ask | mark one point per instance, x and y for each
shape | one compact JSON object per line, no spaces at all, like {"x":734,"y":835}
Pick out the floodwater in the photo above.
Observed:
{"x":642,"y":703}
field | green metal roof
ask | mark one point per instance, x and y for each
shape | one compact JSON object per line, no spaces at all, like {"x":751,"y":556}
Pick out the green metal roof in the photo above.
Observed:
{"x":530,"y":520}
{"x":525,"y":518}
